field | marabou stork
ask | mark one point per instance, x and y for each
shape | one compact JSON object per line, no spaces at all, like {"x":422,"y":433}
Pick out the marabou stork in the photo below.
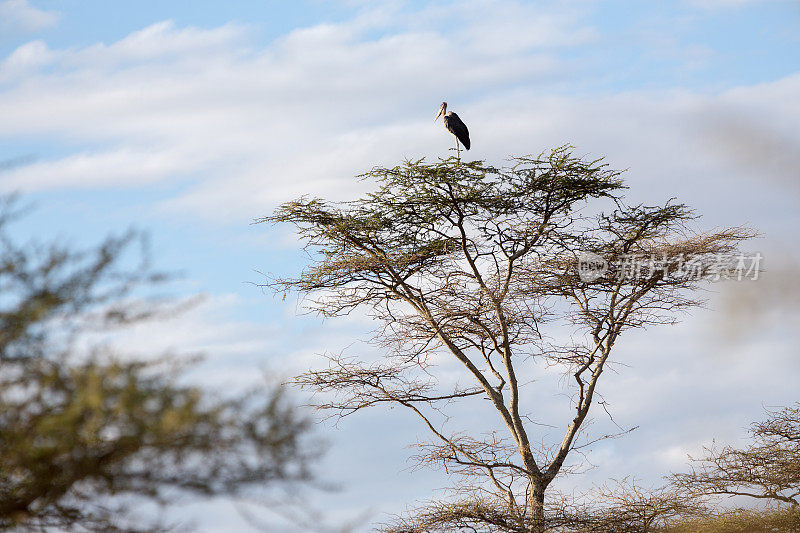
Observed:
{"x":454,"y":126}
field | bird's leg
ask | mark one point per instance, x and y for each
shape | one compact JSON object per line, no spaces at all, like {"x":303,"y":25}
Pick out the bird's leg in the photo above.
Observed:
{"x":458,"y":149}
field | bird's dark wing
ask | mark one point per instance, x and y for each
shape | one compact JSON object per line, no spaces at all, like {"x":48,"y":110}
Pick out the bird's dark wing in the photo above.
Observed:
{"x":457,"y":128}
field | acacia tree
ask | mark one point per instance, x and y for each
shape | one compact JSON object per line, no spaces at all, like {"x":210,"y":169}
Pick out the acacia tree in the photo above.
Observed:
{"x":479,"y":263}
{"x":86,"y":433}
{"x":626,"y":506}
{"x":767,"y":469}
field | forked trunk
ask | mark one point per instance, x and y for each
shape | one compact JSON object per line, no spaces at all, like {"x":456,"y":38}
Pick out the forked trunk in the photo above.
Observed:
{"x":536,"y":506}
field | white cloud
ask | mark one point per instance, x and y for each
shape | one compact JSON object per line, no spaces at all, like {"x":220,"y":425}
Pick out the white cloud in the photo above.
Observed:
{"x":232,"y":350}
{"x":244,"y":127}
{"x":305,"y":114}
{"x":264,"y":121}
{"x":127,"y":167}
{"x":25,"y":60}
{"x":161,"y":41}
{"x":20,"y":15}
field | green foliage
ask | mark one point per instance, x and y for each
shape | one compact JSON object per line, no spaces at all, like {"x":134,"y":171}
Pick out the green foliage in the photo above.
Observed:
{"x":474,"y":262}
{"x":86,"y":433}
{"x":409,"y":223}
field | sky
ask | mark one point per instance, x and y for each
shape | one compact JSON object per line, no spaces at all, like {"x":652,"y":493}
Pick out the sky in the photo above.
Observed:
{"x":192,"y":119}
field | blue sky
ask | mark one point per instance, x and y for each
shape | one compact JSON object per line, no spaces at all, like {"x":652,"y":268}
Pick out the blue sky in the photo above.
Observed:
{"x":190,"y":119}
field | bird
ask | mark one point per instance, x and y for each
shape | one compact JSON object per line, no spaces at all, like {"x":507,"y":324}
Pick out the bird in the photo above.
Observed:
{"x":455,"y":126}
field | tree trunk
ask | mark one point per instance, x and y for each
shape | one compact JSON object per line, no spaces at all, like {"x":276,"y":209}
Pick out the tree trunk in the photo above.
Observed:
{"x":536,"y":505}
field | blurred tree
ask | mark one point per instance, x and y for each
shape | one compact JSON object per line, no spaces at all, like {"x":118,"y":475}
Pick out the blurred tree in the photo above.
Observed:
{"x":474,"y":262}
{"x":84,"y":433}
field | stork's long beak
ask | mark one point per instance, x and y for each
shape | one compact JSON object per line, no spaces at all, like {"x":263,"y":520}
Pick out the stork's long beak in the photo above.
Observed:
{"x":439,"y":114}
